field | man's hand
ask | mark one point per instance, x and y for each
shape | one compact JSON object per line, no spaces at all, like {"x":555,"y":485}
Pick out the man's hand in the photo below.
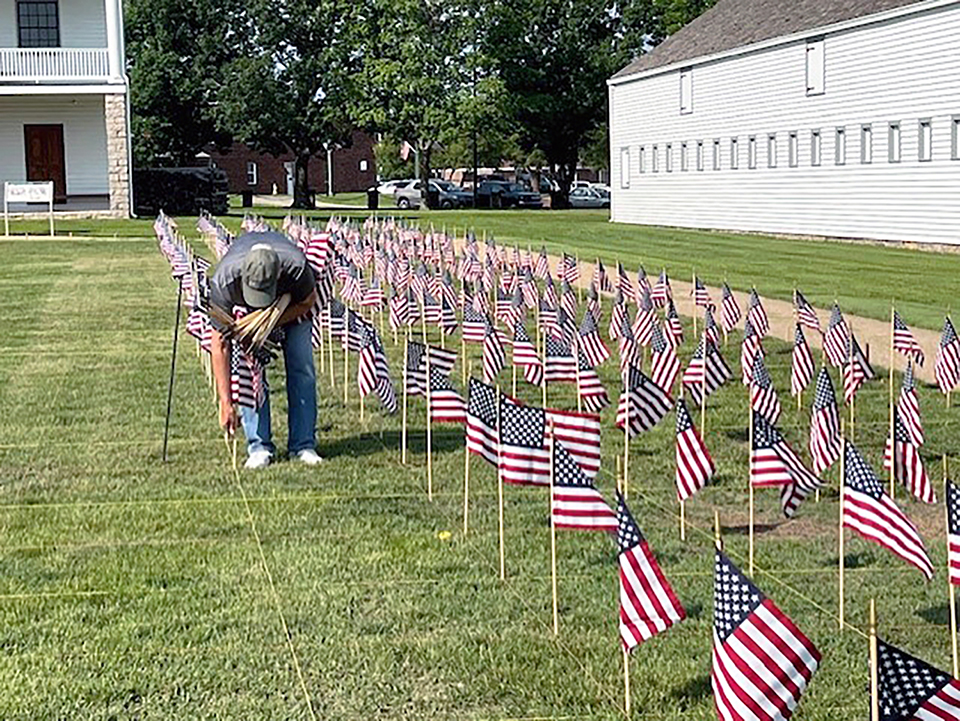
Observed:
{"x":295,"y":313}
{"x":228,"y":417}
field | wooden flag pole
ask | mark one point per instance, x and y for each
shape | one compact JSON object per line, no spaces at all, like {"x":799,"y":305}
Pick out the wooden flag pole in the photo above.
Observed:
{"x":543,"y":354}
{"x":703,"y":393}
{"x":333,"y":374}
{"x":717,"y":537}
{"x":577,"y":371}
{"x":683,"y":521}
{"x":514,"y":369}
{"x":626,"y":680}
{"x":579,"y":280}
{"x":626,"y":438}
{"x":842,"y":562}
{"x":893,"y":463}
{"x":403,"y":421}
{"x":693,"y":291}
{"x":503,"y":567}
{"x":553,"y":538}
{"x":463,"y":359}
{"x":466,"y":485}
{"x":750,"y":486}
{"x":950,"y":586}
{"x":346,"y":362}
{"x":429,"y":429}
{"x":234,"y":453}
{"x":874,"y":671}
{"x":173,"y":365}
{"x":853,"y":398}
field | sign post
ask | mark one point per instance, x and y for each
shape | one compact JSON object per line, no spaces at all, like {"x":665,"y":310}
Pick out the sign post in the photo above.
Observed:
{"x":31,"y":192}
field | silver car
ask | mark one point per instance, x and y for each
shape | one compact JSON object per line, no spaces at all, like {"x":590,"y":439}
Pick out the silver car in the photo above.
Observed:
{"x":589,"y":198}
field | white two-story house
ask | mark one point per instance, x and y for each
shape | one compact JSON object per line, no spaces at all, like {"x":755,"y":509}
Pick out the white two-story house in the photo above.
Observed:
{"x":64,"y":112}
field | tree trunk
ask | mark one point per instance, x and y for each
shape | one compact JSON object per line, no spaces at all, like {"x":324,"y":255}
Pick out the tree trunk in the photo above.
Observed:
{"x":302,"y":197}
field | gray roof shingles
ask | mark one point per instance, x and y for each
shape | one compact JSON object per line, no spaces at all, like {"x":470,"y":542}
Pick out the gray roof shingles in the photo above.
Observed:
{"x":734,"y":23}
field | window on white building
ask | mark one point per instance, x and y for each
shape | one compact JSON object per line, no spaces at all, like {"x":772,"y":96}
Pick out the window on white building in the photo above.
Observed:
{"x":815,"y":67}
{"x":752,"y":152}
{"x":684,"y":158}
{"x":793,"y":149}
{"x":668,"y":157}
{"x":642,"y":159}
{"x":840,"y":148}
{"x":926,"y":140}
{"x":866,"y":144}
{"x":816,"y":147}
{"x":252,"y":174}
{"x":893,"y":142}
{"x":955,"y":137}
{"x":38,"y":24}
{"x":772,"y":150}
{"x":654,"y":159}
{"x":686,"y":91}
{"x":716,"y":154}
{"x":699,"y":155}
{"x":624,"y":167}
{"x":734,"y":154}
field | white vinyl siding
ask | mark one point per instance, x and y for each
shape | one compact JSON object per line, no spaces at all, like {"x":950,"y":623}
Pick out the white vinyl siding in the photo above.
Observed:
{"x":901,"y":70}
{"x":686,"y":91}
{"x":84,"y":138}
{"x":815,"y":67}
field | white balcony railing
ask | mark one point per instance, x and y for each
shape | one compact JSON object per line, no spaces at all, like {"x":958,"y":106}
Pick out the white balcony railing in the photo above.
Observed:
{"x":37,"y":65}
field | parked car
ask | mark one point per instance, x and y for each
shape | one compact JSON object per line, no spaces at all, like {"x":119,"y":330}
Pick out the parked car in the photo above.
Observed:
{"x":448,"y":195}
{"x":589,"y":198}
{"x":501,"y":194}
{"x":579,"y":184}
{"x":390,"y":187}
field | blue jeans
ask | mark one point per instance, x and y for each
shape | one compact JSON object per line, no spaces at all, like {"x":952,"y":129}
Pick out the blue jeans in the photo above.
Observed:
{"x":301,"y":397}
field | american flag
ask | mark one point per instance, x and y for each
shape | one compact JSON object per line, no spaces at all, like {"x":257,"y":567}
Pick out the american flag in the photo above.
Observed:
{"x":648,"y":604}
{"x":710,"y":325}
{"x":430,"y":310}
{"x":440,"y":358}
{"x":575,"y":501}
{"x":912,"y":689}
{"x":705,"y":374}
{"x":528,"y":289}
{"x":763,"y":396}
{"x":246,"y":377}
{"x":448,"y":317}
{"x":700,"y":295}
{"x":824,"y":425}
{"x":836,"y":340}
{"x":757,"y":315}
{"x":548,"y":321}
{"x":952,"y":493}
{"x":661,"y":291}
{"x":643,"y":285}
{"x":774,"y":463}
{"x":750,"y":348}
{"x":874,"y":515}
{"x":647,"y":403}
{"x":524,"y":450}
{"x":446,"y":405}
{"x":542,"y":267}
{"x":559,"y":363}
{"x":903,"y":457}
{"x":695,"y":466}
{"x":625,"y":285}
{"x":481,"y":430}
{"x":806,"y":315}
{"x":373,"y":295}
{"x":644,"y":321}
{"x":474,"y":324}
{"x":592,"y":344}
{"x":947,"y":366}
{"x":908,"y":406}
{"x":593,"y":302}
{"x":335,"y":318}
{"x":569,"y":269}
{"x":664,"y":363}
{"x":617,"y":316}
{"x":905,"y":342}
{"x":729,"y":310}
{"x":672,"y":325}
{"x":352,"y":331}
{"x":373,"y":372}
{"x":801,"y":367}
{"x":591,"y":390}
{"x":525,"y":355}
{"x":568,"y":300}
{"x":493,"y":354}
{"x":627,"y":346}
{"x":399,"y":305}
{"x":601,"y":279}
{"x":762,"y":662}
{"x":857,"y":370}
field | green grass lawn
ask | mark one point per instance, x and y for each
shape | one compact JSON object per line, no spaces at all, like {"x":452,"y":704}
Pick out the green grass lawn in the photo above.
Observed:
{"x":864,"y":278}
{"x":132,"y":588}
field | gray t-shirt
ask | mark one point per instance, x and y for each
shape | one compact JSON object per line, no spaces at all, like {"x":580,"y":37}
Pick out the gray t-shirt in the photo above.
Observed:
{"x":295,"y":276}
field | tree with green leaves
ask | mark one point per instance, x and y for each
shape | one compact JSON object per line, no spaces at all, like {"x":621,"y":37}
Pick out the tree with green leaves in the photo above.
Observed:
{"x":294,"y":92}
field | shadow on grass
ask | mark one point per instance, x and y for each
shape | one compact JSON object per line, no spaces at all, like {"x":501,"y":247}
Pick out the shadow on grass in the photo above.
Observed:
{"x":850,"y":560}
{"x":744,"y":529}
{"x":692,"y":692}
{"x":939,"y":615}
{"x":372,"y":443}
{"x":739,"y":436}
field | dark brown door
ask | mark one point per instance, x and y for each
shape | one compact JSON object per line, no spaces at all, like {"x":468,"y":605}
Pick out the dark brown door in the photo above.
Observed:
{"x":45,"y":161}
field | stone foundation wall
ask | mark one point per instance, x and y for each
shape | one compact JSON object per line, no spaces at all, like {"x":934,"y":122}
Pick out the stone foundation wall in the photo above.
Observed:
{"x":118,"y":170}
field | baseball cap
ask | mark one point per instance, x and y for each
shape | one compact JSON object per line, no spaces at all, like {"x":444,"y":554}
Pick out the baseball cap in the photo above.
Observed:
{"x":259,"y":274}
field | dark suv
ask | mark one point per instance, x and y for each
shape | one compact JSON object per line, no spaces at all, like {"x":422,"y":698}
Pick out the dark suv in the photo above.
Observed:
{"x":503,"y":194}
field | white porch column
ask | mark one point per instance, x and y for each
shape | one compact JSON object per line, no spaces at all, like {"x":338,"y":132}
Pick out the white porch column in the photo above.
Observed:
{"x":114,"y":39}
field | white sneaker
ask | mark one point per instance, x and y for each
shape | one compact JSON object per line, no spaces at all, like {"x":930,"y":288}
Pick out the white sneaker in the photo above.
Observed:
{"x":258,"y":459}
{"x":310,"y":457}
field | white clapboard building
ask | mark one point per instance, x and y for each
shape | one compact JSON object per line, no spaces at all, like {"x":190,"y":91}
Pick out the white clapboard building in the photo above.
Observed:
{"x":812,"y":117}
{"x":63,"y":101}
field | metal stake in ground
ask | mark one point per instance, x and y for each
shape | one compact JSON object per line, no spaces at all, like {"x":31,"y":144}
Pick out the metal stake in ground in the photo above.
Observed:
{"x":173,"y":368}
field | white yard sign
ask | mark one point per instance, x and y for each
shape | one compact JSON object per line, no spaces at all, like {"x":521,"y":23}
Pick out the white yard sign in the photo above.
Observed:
{"x":34,"y":192}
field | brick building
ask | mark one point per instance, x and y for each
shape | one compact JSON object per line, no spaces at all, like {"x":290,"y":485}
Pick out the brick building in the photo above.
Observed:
{"x":354,"y":168}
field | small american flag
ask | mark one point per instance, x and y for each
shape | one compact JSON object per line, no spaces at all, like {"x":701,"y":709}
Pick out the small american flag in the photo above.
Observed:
{"x":908,"y":406}
{"x":661,"y":291}
{"x":648,"y":604}
{"x":903,"y":457}
{"x":750,"y":348}
{"x":806,"y":315}
{"x":643,"y":285}
{"x":710,"y":325}
{"x":625,"y":285}
{"x":707,"y":371}
{"x":352,"y":336}
{"x":493,"y":354}
{"x":575,"y":501}
{"x":448,"y":317}
{"x":524,"y":451}
{"x":857,"y":370}
{"x":952,"y":493}
{"x":664,"y":363}
{"x":569,"y":269}
{"x":617,"y":317}
{"x":642,"y":405}
{"x":774,"y":463}
{"x":763,"y":396}
{"x":911,"y":689}
{"x":729,"y":310}
{"x":762,"y":662}
{"x":559,"y":363}
{"x":824,"y":425}
{"x":905,"y":342}
{"x":801,"y":366}
{"x":672,"y":326}
{"x":644,"y":321}
{"x":591,"y":390}
{"x":873,"y":514}
{"x":700,"y":295}
{"x":246,"y":379}
{"x":474,"y":324}
{"x":541,"y":269}
{"x":481,"y":425}
{"x":947,"y":366}
{"x":628,"y":347}
{"x":592,"y":344}
{"x":600,"y":278}
{"x":836,"y":340}
{"x":373,"y":372}
{"x":568,"y":300}
{"x":373,"y":295}
{"x":446,"y":405}
{"x":525,"y":355}
{"x":399,"y":305}
{"x":593,"y":302}
{"x":695,"y":466}
{"x":757,"y":315}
